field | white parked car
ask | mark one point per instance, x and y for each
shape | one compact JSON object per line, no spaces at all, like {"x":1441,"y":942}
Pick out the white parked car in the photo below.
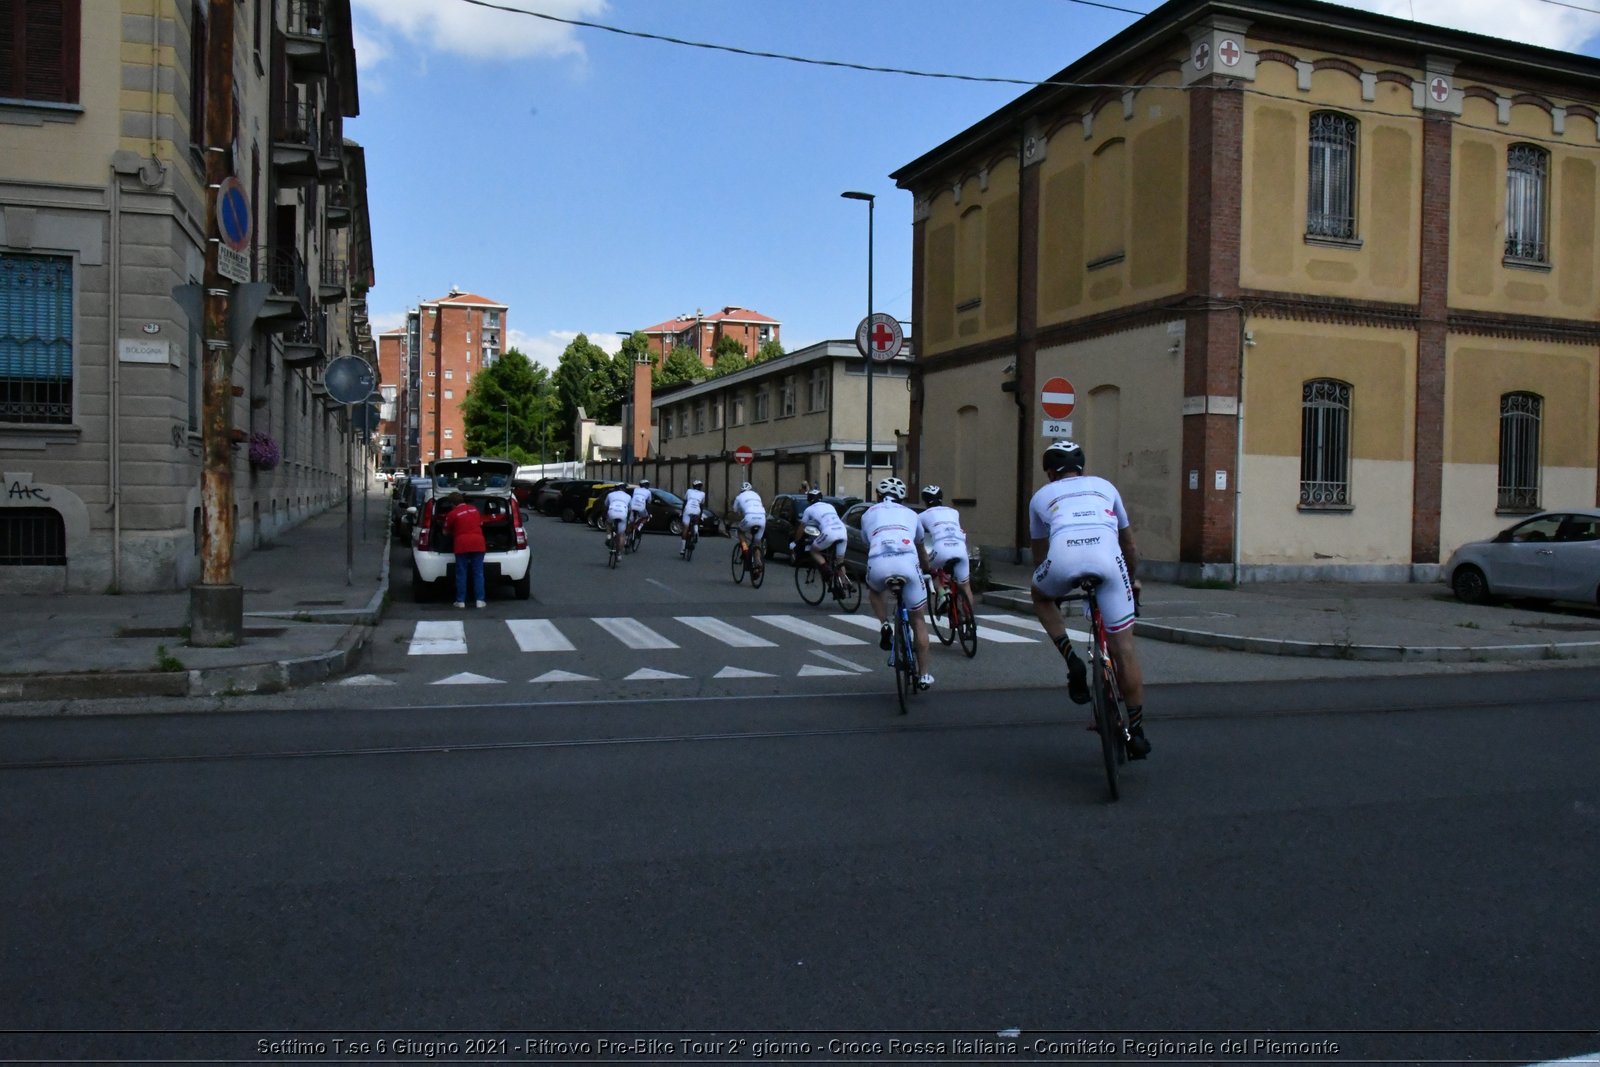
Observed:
{"x":486,"y":484}
{"x":1554,"y":555}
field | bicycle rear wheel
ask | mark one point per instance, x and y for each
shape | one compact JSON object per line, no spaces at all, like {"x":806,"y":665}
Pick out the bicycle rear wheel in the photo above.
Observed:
{"x":808,"y":583}
{"x":1100,"y":697}
{"x":848,"y":594}
{"x":966,"y":625}
{"x":940,"y":619}
{"x":611,"y":550}
{"x":738,"y":563}
{"x":758,"y":573}
{"x":905,"y":683}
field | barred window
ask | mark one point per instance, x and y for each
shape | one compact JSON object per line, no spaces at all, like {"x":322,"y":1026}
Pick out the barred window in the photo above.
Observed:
{"x":819,"y":389}
{"x":35,"y":338}
{"x":1331,"y":202}
{"x":1325,"y":444}
{"x":32,"y":537}
{"x":1527,"y":193}
{"x":1520,"y":415}
{"x":700,"y":417}
{"x":786,"y":391}
{"x":760,"y":414}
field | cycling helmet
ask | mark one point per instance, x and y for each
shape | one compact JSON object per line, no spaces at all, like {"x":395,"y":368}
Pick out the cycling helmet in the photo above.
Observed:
{"x":644,"y":483}
{"x":932,"y":494}
{"x":697,"y":484}
{"x":746,"y":487}
{"x":1063,"y":456}
{"x":892,"y":489}
{"x":813,"y":495}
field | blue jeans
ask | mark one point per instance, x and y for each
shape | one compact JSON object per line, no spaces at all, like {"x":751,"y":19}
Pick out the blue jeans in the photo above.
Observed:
{"x":465,"y":562}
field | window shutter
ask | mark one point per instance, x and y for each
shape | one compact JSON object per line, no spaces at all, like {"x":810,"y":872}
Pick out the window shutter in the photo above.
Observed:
{"x":39,"y":50}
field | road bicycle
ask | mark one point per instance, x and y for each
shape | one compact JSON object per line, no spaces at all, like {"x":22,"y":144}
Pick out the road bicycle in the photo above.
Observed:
{"x":635,"y":534}
{"x":613,"y":550}
{"x":813,"y":584}
{"x":1105,"y":692}
{"x":691,"y":540}
{"x":950,"y":613}
{"x":744,"y":562}
{"x":903,"y":646}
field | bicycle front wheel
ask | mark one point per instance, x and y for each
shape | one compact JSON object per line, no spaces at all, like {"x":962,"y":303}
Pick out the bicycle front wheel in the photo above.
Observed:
{"x":688,"y":546}
{"x":904,"y":682}
{"x":1104,"y":713}
{"x":966,"y":625}
{"x":738,"y":563}
{"x":939,"y":614}
{"x":808,"y":583}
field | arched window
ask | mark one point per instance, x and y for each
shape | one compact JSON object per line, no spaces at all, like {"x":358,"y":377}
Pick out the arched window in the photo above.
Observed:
{"x":1325,"y":444}
{"x":1520,"y":415}
{"x":32,"y":537}
{"x":1527,"y":193}
{"x":1331,"y":193}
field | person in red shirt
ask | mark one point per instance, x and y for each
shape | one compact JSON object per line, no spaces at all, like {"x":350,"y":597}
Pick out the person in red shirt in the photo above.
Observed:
{"x":464,"y":525}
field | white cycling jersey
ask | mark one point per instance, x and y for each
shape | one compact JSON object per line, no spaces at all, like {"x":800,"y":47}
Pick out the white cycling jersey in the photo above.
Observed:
{"x":824,"y":518}
{"x":1082,"y":516}
{"x":617,"y":504}
{"x":752,"y":512}
{"x":694,"y":501}
{"x":946,"y":540}
{"x":641,"y":499}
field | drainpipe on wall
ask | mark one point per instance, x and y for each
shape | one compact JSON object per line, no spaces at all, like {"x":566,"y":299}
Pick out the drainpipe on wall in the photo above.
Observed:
{"x":1238,"y":446}
{"x":114,"y":445}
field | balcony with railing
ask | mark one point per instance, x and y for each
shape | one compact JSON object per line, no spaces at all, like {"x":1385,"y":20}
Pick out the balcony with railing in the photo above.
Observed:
{"x":337,"y":211}
{"x":332,"y":281}
{"x":306,"y":342}
{"x":330,"y":150}
{"x":295,"y":144}
{"x":305,"y":42}
{"x":289,"y":297}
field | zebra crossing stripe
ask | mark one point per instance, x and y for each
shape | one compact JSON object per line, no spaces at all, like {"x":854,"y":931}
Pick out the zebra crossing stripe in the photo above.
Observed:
{"x":438,"y":638}
{"x":999,"y":637}
{"x":811,"y":670}
{"x":740,"y":672}
{"x":633,"y":633}
{"x":468,"y":678}
{"x":538,"y":635}
{"x":1023,"y":622}
{"x":727,"y":633}
{"x":650,"y":674}
{"x":810,"y":631}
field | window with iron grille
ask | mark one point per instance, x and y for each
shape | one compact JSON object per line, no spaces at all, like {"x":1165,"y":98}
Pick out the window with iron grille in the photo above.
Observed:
{"x":1520,"y":415}
{"x":819,"y":389}
{"x":32,"y":537}
{"x":1527,"y":193}
{"x":1325,"y":444}
{"x":786,"y":390}
{"x":1331,"y":197}
{"x":760,"y":413}
{"x":700,"y":417}
{"x":35,"y":338}
{"x":39,"y":50}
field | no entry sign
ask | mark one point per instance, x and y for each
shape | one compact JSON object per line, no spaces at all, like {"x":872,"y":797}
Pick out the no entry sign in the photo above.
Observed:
{"x":1057,"y":398}
{"x":743,"y":454}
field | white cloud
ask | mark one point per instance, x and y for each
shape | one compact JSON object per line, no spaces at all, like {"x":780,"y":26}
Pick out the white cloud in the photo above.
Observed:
{"x":1545,"y":25}
{"x":384,"y":321}
{"x":468,"y":30}
{"x":546,"y":348}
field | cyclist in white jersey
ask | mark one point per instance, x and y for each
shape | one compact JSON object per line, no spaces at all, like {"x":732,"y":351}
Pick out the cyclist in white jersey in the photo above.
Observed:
{"x":1079,"y":527}
{"x":617,"y":513}
{"x":831,"y":532}
{"x":894,"y":548}
{"x":946,"y":541}
{"x":752,"y":521}
{"x":694,"y":502}
{"x":639,"y":504}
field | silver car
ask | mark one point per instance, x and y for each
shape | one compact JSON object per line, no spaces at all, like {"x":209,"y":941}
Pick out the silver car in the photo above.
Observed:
{"x":1554,"y":555}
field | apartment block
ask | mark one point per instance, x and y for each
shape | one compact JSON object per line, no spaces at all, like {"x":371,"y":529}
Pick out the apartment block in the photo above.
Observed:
{"x":700,"y":332}
{"x":447,"y":341}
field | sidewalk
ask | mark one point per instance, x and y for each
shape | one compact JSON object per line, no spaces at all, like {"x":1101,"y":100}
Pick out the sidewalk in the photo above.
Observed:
{"x":302,"y":623}
{"x":1344,"y":620}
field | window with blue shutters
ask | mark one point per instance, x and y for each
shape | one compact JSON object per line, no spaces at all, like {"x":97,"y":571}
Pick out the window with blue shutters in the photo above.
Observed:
{"x":35,"y":338}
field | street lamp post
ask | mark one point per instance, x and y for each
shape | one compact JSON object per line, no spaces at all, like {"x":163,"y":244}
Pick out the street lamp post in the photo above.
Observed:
{"x":869,"y":198}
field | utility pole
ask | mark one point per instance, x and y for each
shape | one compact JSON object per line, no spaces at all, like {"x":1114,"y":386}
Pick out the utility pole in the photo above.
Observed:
{"x":216,"y":604}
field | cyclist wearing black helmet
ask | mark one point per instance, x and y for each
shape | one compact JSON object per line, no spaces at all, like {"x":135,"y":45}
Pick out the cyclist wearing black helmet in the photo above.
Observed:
{"x":1079,"y":527}
{"x":946,"y":540}
{"x":831,"y":535}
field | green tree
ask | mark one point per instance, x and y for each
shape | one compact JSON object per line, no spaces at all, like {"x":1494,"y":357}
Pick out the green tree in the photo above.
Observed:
{"x":510,"y":401}
{"x":682,"y":365}
{"x":586,"y":377}
{"x":728,"y":356}
{"x":770,"y":350}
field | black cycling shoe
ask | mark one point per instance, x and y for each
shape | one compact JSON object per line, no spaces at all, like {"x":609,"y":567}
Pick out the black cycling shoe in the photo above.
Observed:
{"x":1138,"y":747}
{"x":1077,"y":679}
{"x":885,"y":637}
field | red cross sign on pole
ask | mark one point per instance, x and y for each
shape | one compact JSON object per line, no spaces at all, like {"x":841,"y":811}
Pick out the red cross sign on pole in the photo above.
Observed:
{"x":880,"y":337}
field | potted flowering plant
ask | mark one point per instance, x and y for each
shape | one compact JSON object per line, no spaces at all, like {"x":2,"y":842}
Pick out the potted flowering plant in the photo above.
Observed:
{"x":264,"y":454}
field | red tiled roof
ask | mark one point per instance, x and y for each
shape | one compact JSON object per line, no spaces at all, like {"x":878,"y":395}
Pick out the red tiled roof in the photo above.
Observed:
{"x":727,"y":314}
{"x":466,"y":298}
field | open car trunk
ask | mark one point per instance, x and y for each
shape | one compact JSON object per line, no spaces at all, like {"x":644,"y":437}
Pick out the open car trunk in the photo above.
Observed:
{"x":499,"y":527}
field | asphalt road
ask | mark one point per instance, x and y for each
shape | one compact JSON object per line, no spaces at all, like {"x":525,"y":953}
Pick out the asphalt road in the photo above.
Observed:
{"x":1356,"y":858}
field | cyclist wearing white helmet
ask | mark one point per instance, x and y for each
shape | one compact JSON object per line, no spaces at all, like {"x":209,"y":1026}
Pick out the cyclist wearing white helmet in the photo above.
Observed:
{"x":1079,"y":527}
{"x":639,"y":505}
{"x":752,"y":515}
{"x":694,"y":502}
{"x":946,"y":540}
{"x":616,"y":505}
{"x":894,"y":547}
{"x":831,"y":533}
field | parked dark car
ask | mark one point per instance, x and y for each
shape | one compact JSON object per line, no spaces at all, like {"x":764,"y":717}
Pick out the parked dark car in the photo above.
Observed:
{"x":783,"y":517}
{"x":547,"y":495}
{"x":571,"y":505}
{"x":411,"y":491}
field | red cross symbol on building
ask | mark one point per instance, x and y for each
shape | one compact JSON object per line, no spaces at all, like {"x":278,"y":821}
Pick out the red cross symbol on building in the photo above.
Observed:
{"x":1229,"y":52}
{"x":1439,"y":89}
{"x":1202,"y":55}
{"x":881,"y":337}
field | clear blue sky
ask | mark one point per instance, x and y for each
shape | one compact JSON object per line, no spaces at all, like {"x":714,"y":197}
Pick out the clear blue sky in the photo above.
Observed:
{"x":596,"y":183}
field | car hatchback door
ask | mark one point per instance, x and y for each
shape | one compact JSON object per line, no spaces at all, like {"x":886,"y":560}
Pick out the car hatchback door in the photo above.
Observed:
{"x":1520,"y":560}
{"x":1575,"y":560}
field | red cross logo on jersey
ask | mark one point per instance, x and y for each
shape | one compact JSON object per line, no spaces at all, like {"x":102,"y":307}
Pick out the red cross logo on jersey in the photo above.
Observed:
{"x":1439,"y":89}
{"x":1229,"y":52}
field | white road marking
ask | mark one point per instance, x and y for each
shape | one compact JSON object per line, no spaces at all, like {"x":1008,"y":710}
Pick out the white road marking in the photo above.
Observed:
{"x":561,"y":676}
{"x":740,"y":672}
{"x":468,"y":678}
{"x":811,"y":670}
{"x":841,"y":661}
{"x":633,"y":633}
{"x":538,"y":635}
{"x":438,"y":638}
{"x":365,"y":679}
{"x":1026,"y":623}
{"x":810,"y":631}
{"x":727,"y":633}
{"x":650,"y":674}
